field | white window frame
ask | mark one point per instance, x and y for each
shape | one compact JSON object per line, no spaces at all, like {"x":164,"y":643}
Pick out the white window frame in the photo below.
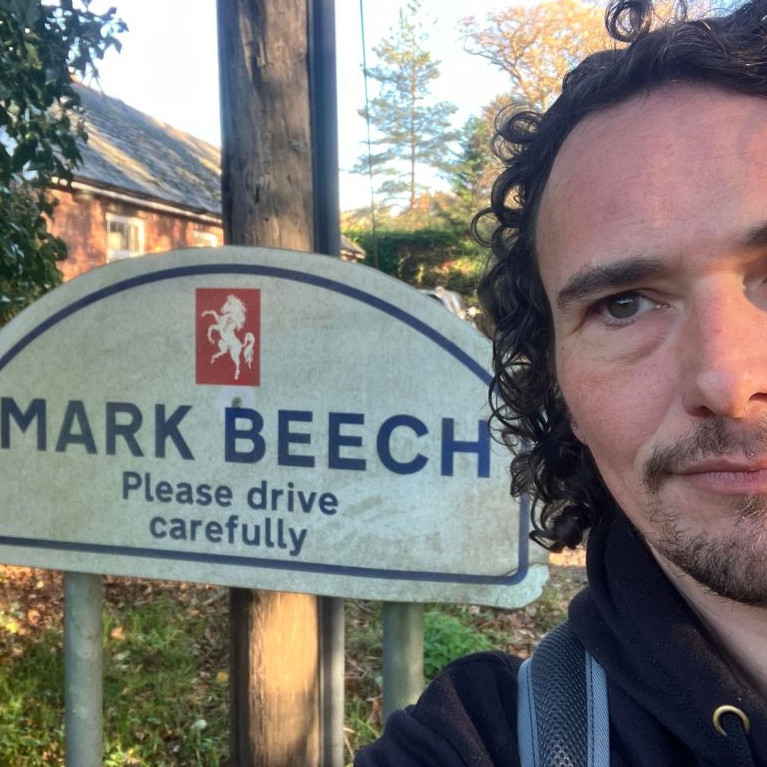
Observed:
{"x":202,"y":239}
{"x":114,"y":254}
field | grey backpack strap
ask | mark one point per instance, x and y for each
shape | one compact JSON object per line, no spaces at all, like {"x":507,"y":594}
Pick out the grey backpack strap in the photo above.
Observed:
{"x":562,"y":713}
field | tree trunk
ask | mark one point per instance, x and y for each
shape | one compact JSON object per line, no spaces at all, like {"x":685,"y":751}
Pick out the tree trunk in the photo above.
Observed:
{"x":267,"y":201}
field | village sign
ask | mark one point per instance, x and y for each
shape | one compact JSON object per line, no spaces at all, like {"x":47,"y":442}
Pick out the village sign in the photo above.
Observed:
{"x":257,"y":418}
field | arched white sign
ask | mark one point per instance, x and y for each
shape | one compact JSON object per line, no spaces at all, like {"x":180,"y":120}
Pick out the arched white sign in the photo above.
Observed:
{"x":257,"y":418}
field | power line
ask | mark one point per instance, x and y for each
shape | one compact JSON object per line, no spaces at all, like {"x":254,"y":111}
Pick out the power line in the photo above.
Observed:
{"x":369,"y":143}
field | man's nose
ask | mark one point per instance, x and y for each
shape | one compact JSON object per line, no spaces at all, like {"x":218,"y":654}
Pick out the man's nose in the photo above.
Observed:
{"x":724,"y":352}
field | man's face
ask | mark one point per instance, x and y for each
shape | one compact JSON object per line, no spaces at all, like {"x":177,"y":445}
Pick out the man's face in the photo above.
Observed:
{"x":652,"y":244}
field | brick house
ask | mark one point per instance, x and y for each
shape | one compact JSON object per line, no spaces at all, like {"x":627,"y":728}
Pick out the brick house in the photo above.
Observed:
{"x":142,"y":187}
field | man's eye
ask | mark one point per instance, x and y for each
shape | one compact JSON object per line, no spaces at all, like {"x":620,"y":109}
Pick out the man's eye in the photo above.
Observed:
{"x":624,"y":306}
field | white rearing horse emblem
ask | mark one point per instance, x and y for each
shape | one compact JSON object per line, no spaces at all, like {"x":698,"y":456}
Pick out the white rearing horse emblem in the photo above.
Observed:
{"x":226,"y":324}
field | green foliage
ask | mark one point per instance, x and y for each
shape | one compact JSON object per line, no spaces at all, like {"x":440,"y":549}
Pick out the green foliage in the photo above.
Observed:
{"x":31,"y":697}
{"x":28,"y":253}
{"x":446,"y":638}
{"x":403,"y":253}
{"x":475,"y":169}
{"x":165,"y":684}
{"x":360,"y":728}
{"x":166,"y":645}
{"x":432,"y":244}
{"x":155,"y":658}
{"x":363,"y":631}
{"x":439,"y":251}
{"x":42,"y":47}
{"x":412,"y":132}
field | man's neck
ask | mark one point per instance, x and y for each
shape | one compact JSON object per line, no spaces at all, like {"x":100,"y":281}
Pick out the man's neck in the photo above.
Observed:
{"x":739,"y":631}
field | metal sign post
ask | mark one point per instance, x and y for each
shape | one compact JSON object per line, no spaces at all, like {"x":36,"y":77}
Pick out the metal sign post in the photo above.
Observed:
{"x":83,"y":717}
{"x":402,"y":655}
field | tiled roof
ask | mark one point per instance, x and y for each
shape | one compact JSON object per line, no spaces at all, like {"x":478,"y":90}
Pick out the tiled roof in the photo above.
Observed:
{"x":130,"y":151}
{"x":133,"y":152}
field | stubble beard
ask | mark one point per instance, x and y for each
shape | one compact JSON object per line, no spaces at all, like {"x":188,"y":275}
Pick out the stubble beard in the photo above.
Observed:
{"x":732,"y":565}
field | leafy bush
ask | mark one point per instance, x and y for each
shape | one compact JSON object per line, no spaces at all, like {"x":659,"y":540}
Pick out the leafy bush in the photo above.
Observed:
{"x":445,"y":639}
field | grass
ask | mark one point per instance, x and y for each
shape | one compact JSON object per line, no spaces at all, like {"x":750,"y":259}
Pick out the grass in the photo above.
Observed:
{"x":166,"y":691}
{"x":157,"y":657}
{"x":165,"y":674}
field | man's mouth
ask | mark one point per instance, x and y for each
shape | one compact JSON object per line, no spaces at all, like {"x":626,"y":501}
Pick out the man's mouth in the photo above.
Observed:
{"x":714,"y":457}
{"x":727,"y":475}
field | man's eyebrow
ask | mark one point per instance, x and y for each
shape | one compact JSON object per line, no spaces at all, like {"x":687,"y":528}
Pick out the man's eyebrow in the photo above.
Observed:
{"x":614,"y":276}
{"x":756,"y":236}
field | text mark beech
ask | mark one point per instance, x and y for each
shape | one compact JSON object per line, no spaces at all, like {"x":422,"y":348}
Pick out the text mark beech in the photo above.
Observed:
{"x":348,"y":438}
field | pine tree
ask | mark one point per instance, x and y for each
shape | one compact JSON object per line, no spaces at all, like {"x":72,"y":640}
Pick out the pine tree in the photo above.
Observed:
{"x":476,"y":167}
{"x":412,"y":133}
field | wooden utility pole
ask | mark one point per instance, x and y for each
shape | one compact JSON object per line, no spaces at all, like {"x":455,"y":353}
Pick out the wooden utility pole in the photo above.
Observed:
{"x":268,"y":201}
{"x":265,"y":123}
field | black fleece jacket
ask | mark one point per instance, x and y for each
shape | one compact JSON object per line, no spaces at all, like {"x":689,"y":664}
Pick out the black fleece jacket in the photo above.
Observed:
{"x":665,"y":679}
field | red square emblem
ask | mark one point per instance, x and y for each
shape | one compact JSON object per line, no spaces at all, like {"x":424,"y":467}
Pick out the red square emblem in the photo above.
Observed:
{"x":228,"y":336}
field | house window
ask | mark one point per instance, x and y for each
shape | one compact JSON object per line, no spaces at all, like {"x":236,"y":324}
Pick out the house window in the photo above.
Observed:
{"x":204,"y":239}
{"x":125,"y":237}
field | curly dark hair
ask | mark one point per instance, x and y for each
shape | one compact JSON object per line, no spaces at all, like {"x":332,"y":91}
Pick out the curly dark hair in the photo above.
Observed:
{"x":729,"y":52}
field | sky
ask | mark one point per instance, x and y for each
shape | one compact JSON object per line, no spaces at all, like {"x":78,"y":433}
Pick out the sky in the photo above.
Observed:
{"x":168,"y":67}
